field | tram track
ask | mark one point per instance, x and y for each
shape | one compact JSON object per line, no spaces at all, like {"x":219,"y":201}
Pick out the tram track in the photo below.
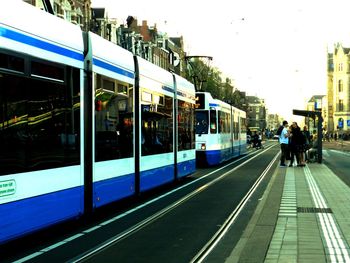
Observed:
{"x":88,"y":255}
{"x":216,"y":238}
{"x":203,"y":253}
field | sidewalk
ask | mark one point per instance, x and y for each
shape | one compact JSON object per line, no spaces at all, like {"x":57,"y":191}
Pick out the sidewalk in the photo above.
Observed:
{"x":304,"y":216}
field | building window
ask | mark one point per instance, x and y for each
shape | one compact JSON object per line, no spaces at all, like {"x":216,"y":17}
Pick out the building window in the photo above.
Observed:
{"x":341,"y":105}
{"x":340,"y":67}
{"x":340,"y":85}
{"x":79,"y":20}
{"x":56,"y":8}
{"x":79,"y":16}
{"x":67,"y":11}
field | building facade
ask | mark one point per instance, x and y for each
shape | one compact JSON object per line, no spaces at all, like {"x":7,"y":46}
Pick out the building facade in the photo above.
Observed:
{"x":317,"y":103}
{"x":74,"y":11}
{"x":330,"y":69}
{"x":256,"y":114}
{"x":142,"y":40}
{"x":273,"y":122}
{"x":340,"y":97}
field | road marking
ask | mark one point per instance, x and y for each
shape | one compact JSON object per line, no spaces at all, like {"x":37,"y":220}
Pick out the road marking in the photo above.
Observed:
{"x":337,"y":247}
{"x":288,"y":206}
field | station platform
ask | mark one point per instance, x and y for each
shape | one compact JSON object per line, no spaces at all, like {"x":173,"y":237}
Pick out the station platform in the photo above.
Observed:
{"x":303,"y":216}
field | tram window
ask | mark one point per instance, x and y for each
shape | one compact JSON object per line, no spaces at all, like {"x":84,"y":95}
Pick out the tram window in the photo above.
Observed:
{"x":213,"y":125}
{"x":229,"y":123}
{"x":113,"y":119}
{"x":224,"y":123}
{"x":40,"y":123}
{"x":202,"y":122}
{"x":236,"y":130}
{"x":122,"y":89}
{"x":11,"y":62}
{"x":47,"y":71}
{"x":157,"y":127}
{"x":200,"y":101}
{"x":185,"y":125}
{"x":108,"y":85}
{"x":233,"y":125}
{"x":243,"y":125}
{"x":146,"y":96}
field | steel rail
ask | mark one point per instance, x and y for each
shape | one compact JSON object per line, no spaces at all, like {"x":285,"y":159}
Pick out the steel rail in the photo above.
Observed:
{"x":205,"y":251}
{"x":160,"y":213}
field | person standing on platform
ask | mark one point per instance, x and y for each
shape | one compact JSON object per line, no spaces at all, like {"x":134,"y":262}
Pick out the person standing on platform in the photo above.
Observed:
{"x":294,"y":142}
{"x":283,"y":139}
{"x":307,"y":145}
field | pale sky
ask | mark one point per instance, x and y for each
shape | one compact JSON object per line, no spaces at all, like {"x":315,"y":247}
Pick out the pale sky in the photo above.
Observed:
{"x":275,"y":49}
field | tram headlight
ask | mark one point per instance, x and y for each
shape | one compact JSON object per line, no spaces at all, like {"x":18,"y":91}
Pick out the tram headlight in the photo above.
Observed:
{"x":203,"y":146}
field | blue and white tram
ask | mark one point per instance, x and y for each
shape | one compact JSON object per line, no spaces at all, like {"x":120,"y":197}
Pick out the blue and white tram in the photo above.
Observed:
{"x":83,"y":122}
{"x":41,"y":86}
{"x":220,"y":130}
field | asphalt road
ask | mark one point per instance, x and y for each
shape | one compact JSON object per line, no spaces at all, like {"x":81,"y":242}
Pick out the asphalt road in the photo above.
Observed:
{"x":179,"y":235}
{"x":336,"y":156}
{"x":175,"y":236}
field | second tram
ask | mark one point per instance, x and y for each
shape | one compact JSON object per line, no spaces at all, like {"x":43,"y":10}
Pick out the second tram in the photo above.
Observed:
{"x":220,"y":130}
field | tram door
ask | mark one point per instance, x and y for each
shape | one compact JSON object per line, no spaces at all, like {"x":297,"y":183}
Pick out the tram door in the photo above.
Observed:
{"x":156,"y":139}
{"x":114,"y":167}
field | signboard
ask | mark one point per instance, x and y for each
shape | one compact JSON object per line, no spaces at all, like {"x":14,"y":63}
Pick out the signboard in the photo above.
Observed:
{"x":348,"y":123}
{"x":7,"y":187}
{"x":340,"y":124}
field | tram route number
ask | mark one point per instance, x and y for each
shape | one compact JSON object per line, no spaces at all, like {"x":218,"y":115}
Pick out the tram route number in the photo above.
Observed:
{"x":7,"y":187}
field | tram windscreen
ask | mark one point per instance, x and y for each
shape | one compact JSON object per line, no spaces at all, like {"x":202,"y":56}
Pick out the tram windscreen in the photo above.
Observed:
{"x":200,"y":101}
{"x":202,"y":121}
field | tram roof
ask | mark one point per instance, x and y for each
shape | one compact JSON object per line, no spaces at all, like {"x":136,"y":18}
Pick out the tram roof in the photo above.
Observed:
{"x":184,"y":87}
{"x":112,"y":59}
{"x":154,"y":73}
{"x":219,"y":103}
{"x":23,"y":23}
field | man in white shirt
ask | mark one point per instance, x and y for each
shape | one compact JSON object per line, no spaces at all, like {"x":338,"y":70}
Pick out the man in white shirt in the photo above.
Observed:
{"x":283,"y":139}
